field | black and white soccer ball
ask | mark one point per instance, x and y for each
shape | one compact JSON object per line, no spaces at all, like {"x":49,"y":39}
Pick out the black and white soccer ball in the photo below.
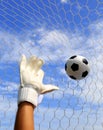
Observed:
{"x":77,"y":67}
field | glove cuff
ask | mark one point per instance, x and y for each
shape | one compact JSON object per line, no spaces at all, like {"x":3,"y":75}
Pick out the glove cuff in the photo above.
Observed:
{"x":28,"y":94}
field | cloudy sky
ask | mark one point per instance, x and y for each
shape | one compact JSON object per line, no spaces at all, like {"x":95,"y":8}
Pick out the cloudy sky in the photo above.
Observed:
{"x":53,"y":31}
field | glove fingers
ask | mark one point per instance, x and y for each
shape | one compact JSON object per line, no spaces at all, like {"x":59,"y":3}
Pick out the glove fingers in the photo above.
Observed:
{"x":48,"y":88}
{"x":22,"y":67}
{"x":35,"y":63}
{"x":32,"y":60}
{"x":32,"y":63}
{"x":23,"y":62}
{"x":39,"y":64}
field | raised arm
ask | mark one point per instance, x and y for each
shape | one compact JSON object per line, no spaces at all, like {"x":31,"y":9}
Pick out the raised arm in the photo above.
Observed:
{"x":31,"y":86}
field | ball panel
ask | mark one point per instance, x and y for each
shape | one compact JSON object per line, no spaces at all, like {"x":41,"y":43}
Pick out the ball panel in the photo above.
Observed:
{"x":66,"y":67}
{"x":72,"y":57}
{"x":72,"y":77}
{"x":85,"y":61}
{"x":75,"y":67}
{"x":85,"y":74}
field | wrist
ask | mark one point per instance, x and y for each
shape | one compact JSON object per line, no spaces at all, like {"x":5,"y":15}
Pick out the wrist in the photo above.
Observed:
{"x":28,"y":94}
{"x":26,"y":104}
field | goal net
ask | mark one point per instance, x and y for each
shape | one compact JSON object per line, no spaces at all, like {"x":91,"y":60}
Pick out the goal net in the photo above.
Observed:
{"x":53,"y":30}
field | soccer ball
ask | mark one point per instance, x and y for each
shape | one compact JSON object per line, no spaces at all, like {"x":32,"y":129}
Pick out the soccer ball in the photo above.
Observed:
{"x":77,"y":67}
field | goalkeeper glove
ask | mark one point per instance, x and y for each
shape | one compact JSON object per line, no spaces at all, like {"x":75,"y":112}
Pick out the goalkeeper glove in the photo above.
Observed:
{"x":31,"y":76}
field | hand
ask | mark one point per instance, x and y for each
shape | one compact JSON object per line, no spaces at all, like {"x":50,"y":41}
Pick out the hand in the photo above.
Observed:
{"x":32,"y":74}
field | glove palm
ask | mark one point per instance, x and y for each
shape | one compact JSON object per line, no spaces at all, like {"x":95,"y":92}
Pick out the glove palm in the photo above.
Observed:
{"x":32,"y":74}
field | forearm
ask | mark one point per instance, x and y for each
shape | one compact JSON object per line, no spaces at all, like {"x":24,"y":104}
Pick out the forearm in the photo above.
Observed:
{"x":25,"y":117}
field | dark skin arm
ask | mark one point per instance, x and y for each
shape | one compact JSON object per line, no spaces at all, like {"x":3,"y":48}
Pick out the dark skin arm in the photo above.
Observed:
{"x":24,"y":118}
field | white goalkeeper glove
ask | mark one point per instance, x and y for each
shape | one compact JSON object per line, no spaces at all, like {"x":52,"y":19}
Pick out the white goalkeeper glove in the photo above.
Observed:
{"x":31,"y":76}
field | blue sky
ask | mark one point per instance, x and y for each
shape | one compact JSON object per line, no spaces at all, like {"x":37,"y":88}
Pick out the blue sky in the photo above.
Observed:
{"x":53,"y":31}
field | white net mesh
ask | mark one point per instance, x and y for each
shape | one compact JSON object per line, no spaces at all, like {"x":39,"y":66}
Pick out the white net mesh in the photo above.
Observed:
{"x":53,"y":30}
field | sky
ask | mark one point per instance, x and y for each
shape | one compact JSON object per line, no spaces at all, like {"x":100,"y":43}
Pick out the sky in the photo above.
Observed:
{"x":53,"y":31}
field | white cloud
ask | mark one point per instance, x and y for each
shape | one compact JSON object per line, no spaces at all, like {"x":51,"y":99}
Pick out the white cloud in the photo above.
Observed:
{"x":8,"y":110}
{"x":9,"y":86}
{"x":57,"y":45}
{"x":48,"y":44}
{"x":47,"y":116}
{"x":66,"y":118}
{"x":64,"y":1}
